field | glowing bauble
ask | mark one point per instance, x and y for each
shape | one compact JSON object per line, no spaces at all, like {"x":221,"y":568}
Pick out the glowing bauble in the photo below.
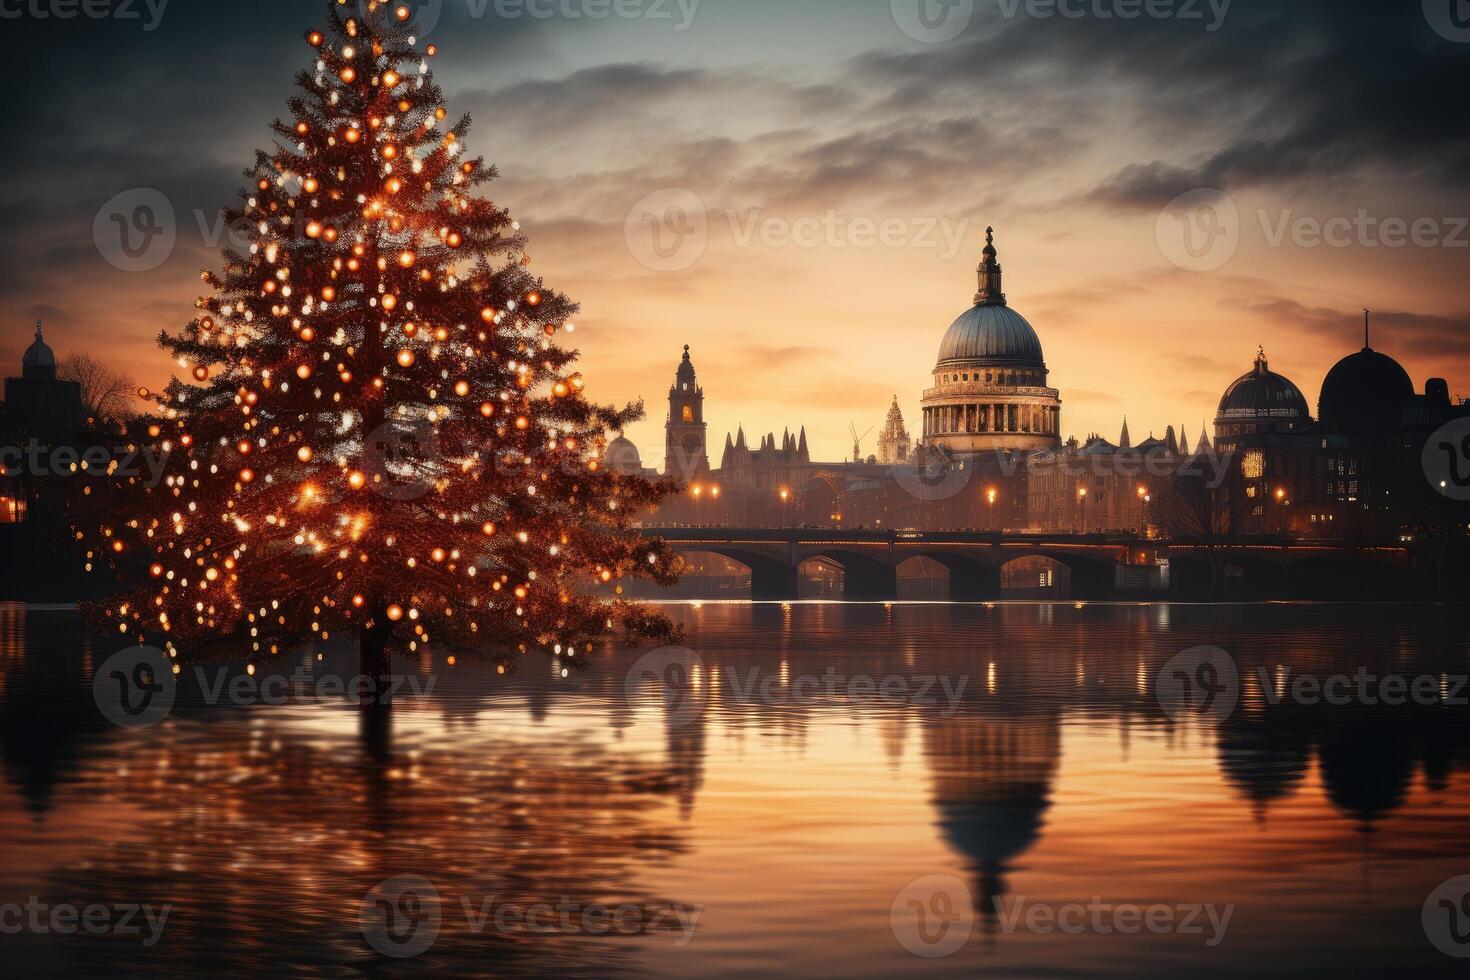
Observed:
{"x":155,"y":570}
{"x":395,"y":612}
{"x":303,"y":371}
{"x":390,"y":78}
{"x":314,"y":39}
{"x":406,"y":258}
{"x":304,"y":454}
{"x":560,"y":389}
{"x":488,"y":528}
{"x":402,"y":13}
{"x":437,"y":554}
{"x":352,"y":135}
{"x":405,"y":358}
{"x":246,"y":475}
{"x":533,"y":299}
{"x":329,"y":293}
{"x":349,"y":74}
{"x":487,"y":409}
{"x":313,"y":230}
{"x":461,"y":388}
{"x":308,"y":334}
{"x":201,"y":373}
{"x":356,"y":480}
{"x":390,"y":301}
{"x":454,"y":239}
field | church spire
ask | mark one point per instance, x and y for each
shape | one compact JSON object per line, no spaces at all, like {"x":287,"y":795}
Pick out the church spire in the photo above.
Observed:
{"x":38,"y":329}
{"x":1125,"y":441}
{"x":989,"y":274}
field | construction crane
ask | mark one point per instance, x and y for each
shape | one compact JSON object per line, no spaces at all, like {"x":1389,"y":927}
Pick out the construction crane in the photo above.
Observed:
{"x":857,"y":441}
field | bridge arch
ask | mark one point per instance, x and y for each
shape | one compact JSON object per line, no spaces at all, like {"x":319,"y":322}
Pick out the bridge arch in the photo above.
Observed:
{"x":866,"y":578}
{"x":970,"y":579}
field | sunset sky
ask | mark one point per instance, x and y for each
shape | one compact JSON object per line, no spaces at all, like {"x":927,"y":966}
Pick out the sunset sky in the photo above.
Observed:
{"x":1069,"y":135}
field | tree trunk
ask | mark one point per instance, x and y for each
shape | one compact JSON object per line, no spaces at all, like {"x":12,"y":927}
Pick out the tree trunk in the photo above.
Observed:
{"x":375,"y":667}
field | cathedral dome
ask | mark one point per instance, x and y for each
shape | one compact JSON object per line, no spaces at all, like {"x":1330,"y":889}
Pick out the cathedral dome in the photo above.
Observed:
{"x":38,"y":361}
{"x":1263,"y":395}
{"x":1365,"y":391}
{"x":991,"y":335}
{"x":622,"y":456}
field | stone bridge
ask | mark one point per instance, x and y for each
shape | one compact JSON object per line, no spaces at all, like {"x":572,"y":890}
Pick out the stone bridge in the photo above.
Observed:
{"x":870,"y":559}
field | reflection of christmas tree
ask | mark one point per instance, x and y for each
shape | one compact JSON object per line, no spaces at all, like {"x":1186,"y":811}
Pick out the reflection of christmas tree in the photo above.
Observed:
{"x":382,"y":435}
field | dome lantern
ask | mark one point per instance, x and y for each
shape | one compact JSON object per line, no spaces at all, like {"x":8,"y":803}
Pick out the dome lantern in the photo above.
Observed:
{"x":38,"y":361}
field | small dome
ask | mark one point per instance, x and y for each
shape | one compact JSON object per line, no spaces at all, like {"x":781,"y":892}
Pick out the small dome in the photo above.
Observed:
{"x":1365,"y":392}
{"x":38,"y":361}
{"x":1263,"y":395}
{"x":622,"y":456}
{"x":991,"y":335}
{"x":684,"y":377}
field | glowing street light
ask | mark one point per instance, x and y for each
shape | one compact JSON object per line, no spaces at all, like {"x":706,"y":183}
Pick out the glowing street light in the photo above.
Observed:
{"x":785,"y":496}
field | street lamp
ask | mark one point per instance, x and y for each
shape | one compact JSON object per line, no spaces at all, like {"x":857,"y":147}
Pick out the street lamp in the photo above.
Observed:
{"x":1082,"y":497}
{"x":990,"y":495}
{"x":785,"y":496}
{"x":695,"y":491}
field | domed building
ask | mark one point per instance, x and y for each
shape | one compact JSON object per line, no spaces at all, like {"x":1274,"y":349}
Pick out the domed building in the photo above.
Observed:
{"x":38,"y":404}
{"x":990,"y":392}
{"x":1365,"y":392}
{"x":622,"y":456}
{"x":1258,"y":402}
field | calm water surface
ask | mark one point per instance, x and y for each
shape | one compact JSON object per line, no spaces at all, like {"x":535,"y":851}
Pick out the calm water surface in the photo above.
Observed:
{"x":772,"y":795}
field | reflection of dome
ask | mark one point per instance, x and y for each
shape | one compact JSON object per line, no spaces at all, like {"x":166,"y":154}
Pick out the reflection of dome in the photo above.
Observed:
{"x":1365,"y":391}
{"x":39,"y":361}
{"x":622,"y":456}
{"x":991,"y":335}
{"x":1263,"y":395}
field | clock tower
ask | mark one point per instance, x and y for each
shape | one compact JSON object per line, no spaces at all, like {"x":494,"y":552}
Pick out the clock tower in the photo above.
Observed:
{"x":685,"y":454}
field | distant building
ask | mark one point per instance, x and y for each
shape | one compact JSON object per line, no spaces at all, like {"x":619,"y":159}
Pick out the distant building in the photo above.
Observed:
{"x":686,"y":452}
{"x":37,"y":404}
{"x":38,"y":408}
{"x":894,"y":444}
{"x":990,"y":389}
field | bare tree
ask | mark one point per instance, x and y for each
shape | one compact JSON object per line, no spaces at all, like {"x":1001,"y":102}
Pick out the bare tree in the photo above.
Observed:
{"x":1207,"y":511}
{"x":106,"y":394}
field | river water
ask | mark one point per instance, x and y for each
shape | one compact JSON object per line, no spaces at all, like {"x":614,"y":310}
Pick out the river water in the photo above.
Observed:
{"x":814,"y":790}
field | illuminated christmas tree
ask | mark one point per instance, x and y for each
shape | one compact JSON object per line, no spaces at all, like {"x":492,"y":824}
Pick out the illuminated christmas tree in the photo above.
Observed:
{"x":378,"y":433}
